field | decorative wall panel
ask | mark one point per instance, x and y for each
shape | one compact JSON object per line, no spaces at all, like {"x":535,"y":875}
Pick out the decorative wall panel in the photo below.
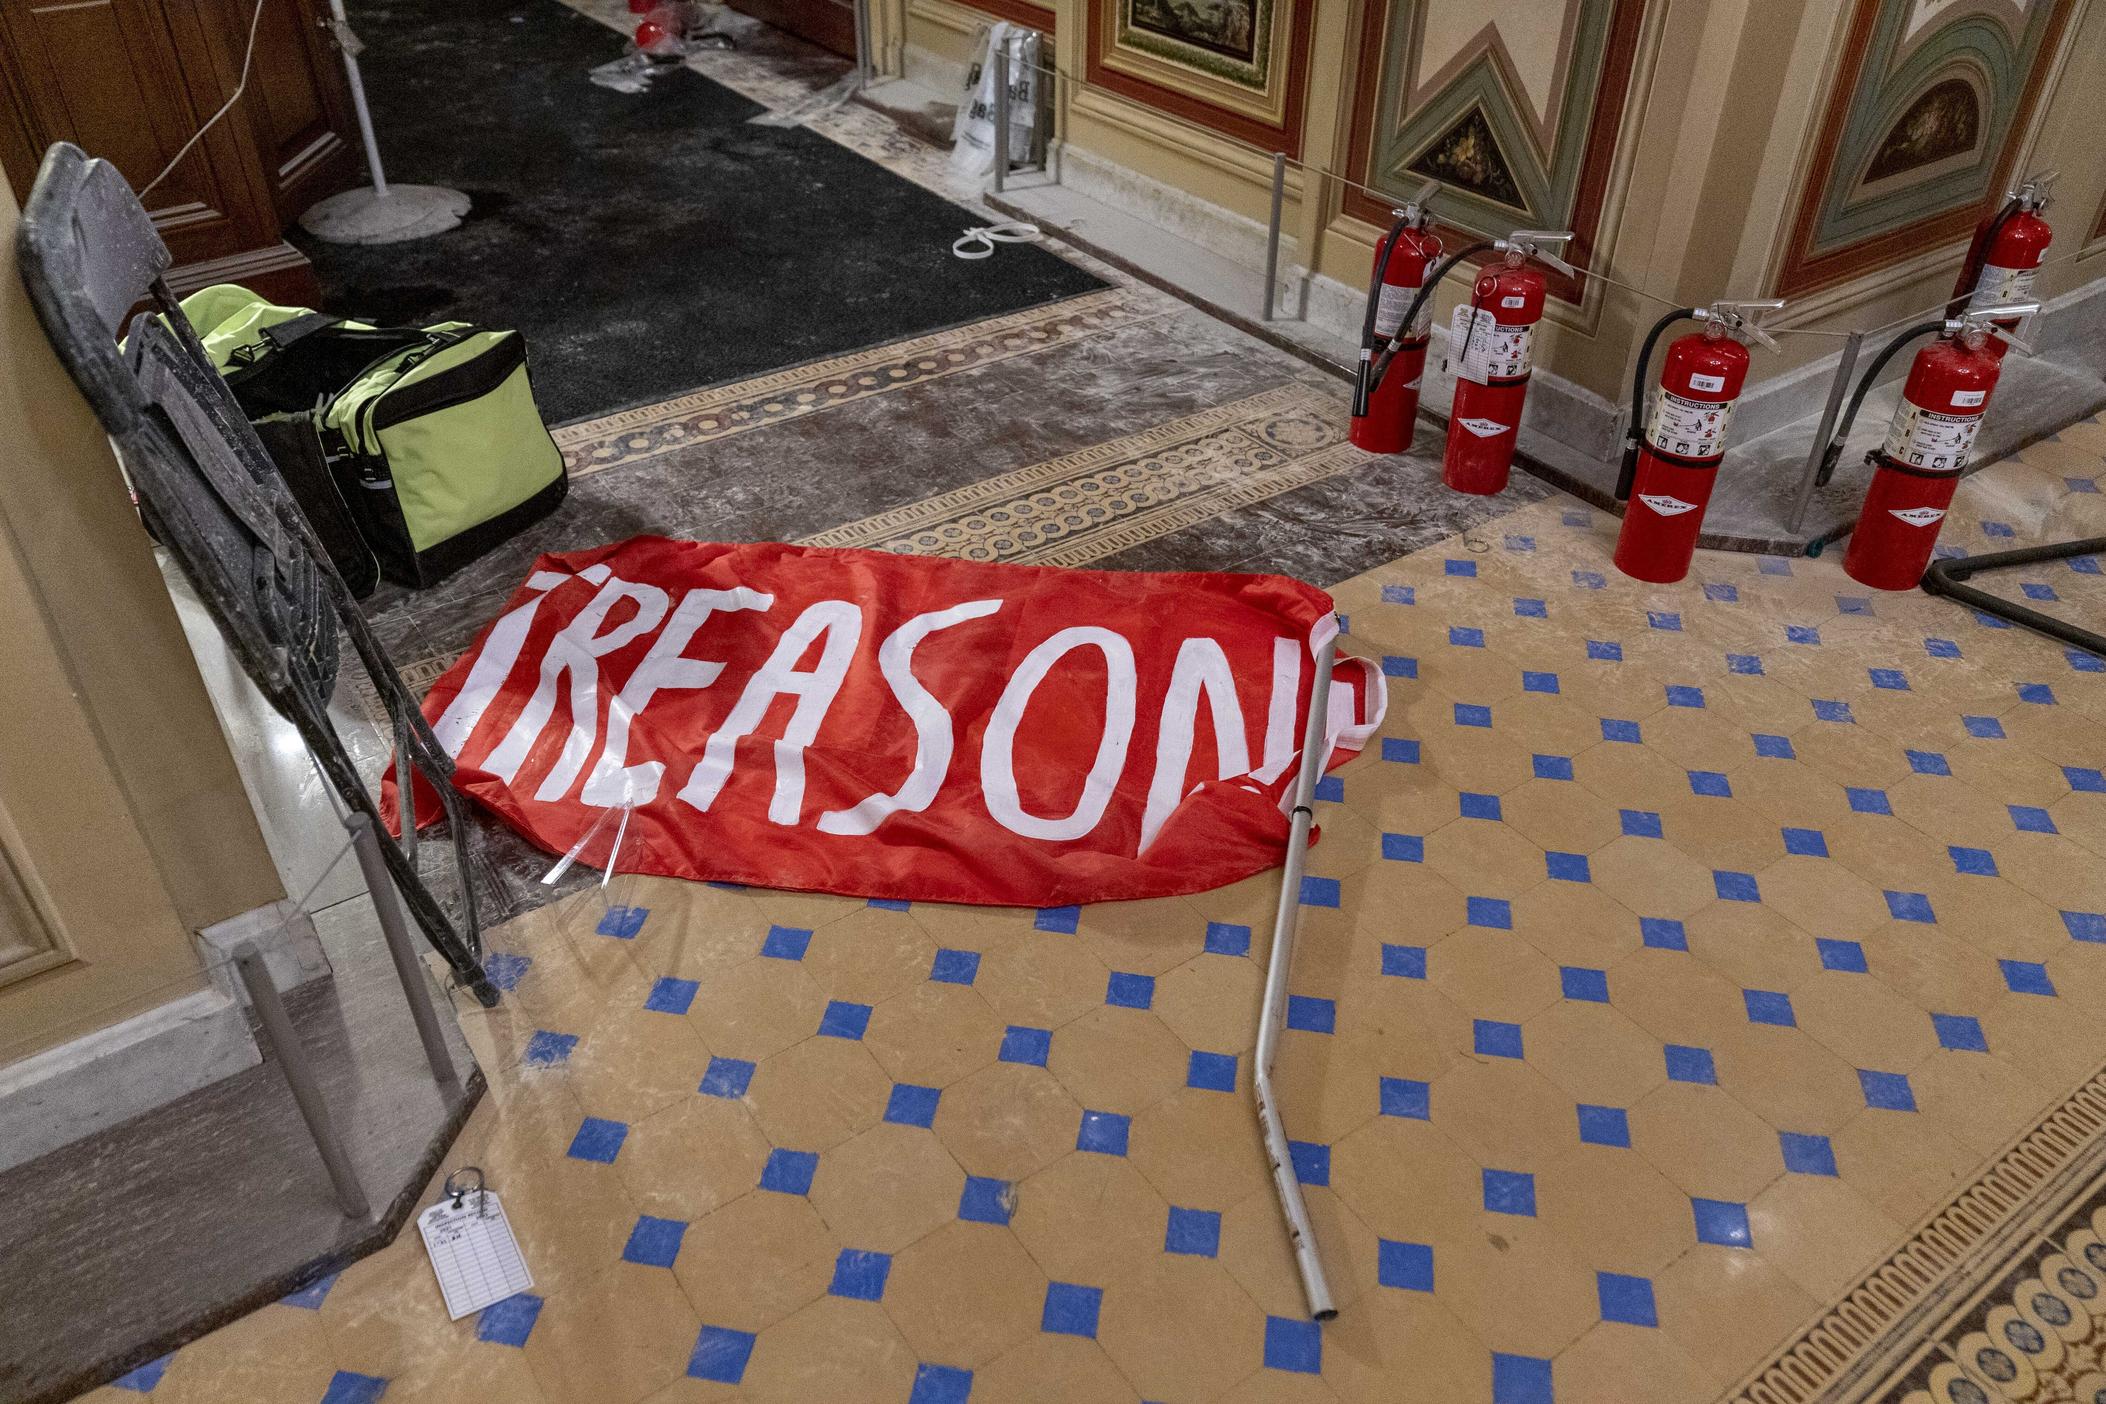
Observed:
{"x":1236,"y":66}
{"x":29,"y":936}
{"x":1023,"y":12}
{"x":1923,"y":122}
{"x":1513,"y":105}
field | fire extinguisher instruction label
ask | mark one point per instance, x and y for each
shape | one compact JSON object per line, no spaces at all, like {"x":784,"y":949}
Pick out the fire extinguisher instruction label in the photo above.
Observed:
{"x":1924,"y":438}
{"x":1483,"y":350}
{"x":2000,"y":285}
{"x":1389,"y":308}
{"x":1688,"y":428}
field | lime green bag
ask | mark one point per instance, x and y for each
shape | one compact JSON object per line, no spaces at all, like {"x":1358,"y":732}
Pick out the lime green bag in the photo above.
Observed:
{"x":430,"y":434}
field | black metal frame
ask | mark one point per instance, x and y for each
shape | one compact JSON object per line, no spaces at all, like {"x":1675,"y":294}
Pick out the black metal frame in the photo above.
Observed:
{"x":1947,"y":578}
{"x":210,"y":494}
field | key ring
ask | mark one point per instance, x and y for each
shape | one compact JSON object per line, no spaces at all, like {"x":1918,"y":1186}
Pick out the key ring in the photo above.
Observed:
{"x":460,"y":1192}
{"x":980,"y":240}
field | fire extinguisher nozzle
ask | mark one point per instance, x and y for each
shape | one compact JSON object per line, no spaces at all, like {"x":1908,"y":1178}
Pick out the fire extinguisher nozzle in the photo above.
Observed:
{"x":1628,"y":472}
{"x":1829,"y":459}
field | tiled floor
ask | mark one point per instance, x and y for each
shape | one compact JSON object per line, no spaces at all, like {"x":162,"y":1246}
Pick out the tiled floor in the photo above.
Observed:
{"x":1678,"y":956}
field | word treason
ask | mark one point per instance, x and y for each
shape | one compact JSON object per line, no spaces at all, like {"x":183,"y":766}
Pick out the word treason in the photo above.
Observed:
{"x":818,"y":653}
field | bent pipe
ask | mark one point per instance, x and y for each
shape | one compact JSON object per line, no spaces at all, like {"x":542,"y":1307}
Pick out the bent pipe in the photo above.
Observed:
{"x":1947,"y":578}
{"x":1300,"y":1232}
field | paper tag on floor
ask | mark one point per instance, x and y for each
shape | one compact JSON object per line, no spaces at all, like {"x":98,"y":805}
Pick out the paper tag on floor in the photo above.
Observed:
{"x":473,"y":1252}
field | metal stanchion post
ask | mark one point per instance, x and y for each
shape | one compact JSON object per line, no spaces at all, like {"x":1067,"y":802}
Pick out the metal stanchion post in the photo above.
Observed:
{"x":1001,"y":116}
{"x":1852,"y":344}
{"x":291,"y":1057}
{"x":863,"y":66}
{"x":381,"y":888}
{"x":1300,"y":1232}
{"x":1272,"y":232}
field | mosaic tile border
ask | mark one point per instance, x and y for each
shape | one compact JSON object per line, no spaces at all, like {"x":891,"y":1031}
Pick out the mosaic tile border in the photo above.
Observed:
{"x":1874,"y":1330}
{"x":1092,"y":504}
{"x":2035,"y":1332}
{"x":718,"y":412}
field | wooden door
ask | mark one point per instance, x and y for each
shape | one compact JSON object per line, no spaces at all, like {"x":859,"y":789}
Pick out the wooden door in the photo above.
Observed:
{"x":830,"y":24}
{"x":297,"y":103}
{"x":132,"y":80}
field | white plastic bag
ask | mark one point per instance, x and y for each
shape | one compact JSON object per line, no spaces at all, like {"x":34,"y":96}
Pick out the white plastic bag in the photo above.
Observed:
{"x":973,"y":133}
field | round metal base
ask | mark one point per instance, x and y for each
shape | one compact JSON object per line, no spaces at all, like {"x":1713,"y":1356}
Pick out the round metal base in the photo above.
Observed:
{"x":363,"y":216}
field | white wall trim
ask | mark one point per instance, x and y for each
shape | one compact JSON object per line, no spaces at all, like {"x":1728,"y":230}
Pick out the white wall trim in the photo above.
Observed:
{"x":93,"y":1082}
{"x":1218,"y":230}
{"x":284,"y":933}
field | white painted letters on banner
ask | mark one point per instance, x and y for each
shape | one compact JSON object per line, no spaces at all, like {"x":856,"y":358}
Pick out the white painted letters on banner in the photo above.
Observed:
{"x":998,"y":750}
{"x":840,"y":623}
{"x":932,"y":724}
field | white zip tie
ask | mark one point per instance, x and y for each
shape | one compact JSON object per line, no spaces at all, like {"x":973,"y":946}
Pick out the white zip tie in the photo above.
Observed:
{"x":980,"y":240}
{"x":563,"y":864}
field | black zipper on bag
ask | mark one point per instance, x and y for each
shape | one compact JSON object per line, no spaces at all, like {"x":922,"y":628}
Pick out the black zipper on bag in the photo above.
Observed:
{"x":335,"y":443}
{"x":458,"y":385}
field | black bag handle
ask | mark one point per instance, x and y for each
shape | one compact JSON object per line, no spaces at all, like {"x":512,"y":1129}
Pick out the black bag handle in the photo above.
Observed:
{"x":285,"y":333}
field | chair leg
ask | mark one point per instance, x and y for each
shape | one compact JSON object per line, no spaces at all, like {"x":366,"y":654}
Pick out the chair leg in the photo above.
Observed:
{"x":461,"y":952}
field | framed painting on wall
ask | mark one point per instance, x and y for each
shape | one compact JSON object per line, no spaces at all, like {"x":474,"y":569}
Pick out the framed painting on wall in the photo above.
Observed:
{"x":1924,"y":119}
{"x":1234,"y":66}
{"x":1513,"y":105}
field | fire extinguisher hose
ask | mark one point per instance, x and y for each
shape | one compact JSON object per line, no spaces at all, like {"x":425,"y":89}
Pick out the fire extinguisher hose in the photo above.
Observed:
{"x":1361,"y":390}
{"x":1978,"y":255}
{"x":1411,"y":313}
{"x":1865,"y":382}
{"x":1636,"y":429}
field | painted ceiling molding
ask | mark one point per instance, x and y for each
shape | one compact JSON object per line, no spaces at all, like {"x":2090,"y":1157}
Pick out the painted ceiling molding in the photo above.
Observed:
{"x":1928,"y":107}
{"x":1238,"y":67}
{"x":1513,"y":105}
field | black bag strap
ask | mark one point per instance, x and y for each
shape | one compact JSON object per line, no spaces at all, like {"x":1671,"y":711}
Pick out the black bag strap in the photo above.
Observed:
{"x":285,"y":333}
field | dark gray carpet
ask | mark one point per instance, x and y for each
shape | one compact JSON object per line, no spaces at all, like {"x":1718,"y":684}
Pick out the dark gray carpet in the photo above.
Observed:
{"x":647,"y":244}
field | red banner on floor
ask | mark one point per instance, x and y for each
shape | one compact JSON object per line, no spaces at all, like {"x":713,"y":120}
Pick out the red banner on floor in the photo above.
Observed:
{"x":896,"y":726}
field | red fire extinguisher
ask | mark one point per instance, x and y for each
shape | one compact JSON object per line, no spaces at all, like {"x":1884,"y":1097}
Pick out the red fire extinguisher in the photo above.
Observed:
{"x":1671,"y":458}
{"x":1917,"y":469}
{"x":2004,"y":260}
{"x":1491,"y":348}
{"x":1385,"y":414}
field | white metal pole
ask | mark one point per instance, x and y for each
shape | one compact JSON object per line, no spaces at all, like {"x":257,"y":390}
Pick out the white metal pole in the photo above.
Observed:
{"x":1272,"y":233}
{"x":1001,"y":115}
{"x":346,"y":47}
{"x":1303,"y":1235}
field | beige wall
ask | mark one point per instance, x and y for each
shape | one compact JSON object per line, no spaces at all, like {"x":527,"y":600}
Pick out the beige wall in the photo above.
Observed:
{"x":123,"y":824}
{"x":1725,"y":101}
